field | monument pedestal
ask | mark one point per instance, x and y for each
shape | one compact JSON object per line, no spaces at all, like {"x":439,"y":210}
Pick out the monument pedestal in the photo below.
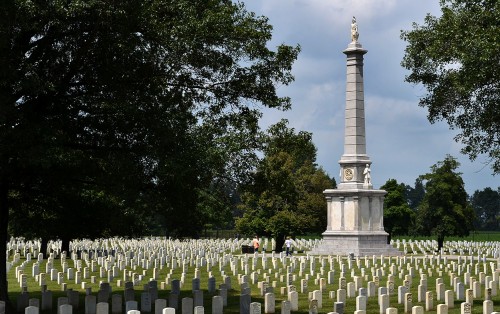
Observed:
{"x":355,"y":224}
{"x":358,"y":243}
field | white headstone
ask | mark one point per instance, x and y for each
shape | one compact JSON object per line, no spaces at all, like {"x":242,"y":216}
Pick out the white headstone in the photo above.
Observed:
{"x":66,"y":309}
{"x":160,"y":304}
{"x":168,"y":310}
{"x":102,"y":308}
{"x":269,"y":303}
{"x":31,"y":310}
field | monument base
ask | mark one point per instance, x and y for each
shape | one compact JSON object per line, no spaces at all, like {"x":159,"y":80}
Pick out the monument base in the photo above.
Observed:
{"x":357,"y":243}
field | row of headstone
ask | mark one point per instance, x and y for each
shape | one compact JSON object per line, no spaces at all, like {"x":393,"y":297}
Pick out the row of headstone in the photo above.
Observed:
{"x":248,"y":264}
{"x":290,"y":278}
{"x":94,"y":307}
{"x":110,"y":246}
{"x":461,"y":248}
{"x":103,"y":308}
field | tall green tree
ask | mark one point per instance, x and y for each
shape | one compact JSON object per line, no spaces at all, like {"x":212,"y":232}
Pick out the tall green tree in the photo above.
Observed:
{"x":445,"y":210}
{"x":415,"y":194}
{"x":455,"y":57}
{"x":216,"y":205}
{"x":486,"y":204}
{"x":285,"y":196}
{"x":116,"y":112}
{"x":398,"y":216}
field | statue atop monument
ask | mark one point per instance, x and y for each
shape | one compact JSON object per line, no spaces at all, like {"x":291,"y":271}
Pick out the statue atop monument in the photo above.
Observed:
{"x":354,"y":30}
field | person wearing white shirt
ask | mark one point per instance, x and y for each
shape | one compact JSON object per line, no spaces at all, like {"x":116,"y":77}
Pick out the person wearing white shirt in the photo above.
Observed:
{"x":288,"y":245}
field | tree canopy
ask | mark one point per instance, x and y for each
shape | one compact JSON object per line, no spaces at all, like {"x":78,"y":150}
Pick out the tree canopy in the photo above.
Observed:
{"x":486,"y":204}
{"x":445,"y":210}
{"x":455,"y":57}
{"x":285,"y":196}
{"x":398,"y":216}
{"x":415,"y":194}
{"x":116,"y":113}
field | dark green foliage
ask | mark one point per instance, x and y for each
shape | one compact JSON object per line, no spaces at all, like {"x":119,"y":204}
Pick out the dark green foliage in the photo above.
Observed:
{"x":286,"y":194}
{"x":445,"y":210}
{"x":217,"y":204}
{"x":122,"y":117}
{"x":398,"y":216}
{"x":414,"y":195}
{"x":456,"y":59}
{"x":486,"y":204}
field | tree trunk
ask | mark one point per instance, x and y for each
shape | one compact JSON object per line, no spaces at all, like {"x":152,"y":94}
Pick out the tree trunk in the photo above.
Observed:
{"x":440,"y":242}
{"x":280,"y":241}
{"x":65,"y":246}
{"x":4,"y":222}
{"x":43,"y":248}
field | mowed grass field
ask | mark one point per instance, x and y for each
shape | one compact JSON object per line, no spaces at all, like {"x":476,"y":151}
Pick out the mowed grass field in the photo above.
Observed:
{"x":432,"y":266}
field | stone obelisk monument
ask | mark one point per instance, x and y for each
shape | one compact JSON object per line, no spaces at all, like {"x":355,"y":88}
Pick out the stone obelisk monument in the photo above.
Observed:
{"x":355,"y":211}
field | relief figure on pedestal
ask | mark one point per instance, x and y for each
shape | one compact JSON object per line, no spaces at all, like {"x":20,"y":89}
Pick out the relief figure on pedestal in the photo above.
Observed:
{"x":366,"y":172}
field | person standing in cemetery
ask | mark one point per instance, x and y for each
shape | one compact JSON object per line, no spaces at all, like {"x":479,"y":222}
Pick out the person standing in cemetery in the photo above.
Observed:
{"x":256,"y":243}
{"x":288,"y":245}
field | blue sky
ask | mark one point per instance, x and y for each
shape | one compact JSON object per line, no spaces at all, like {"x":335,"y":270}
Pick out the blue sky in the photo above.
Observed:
{"x":401,"y":143}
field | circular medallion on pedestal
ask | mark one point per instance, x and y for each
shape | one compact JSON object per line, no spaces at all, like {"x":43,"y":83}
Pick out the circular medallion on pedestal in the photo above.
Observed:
{"x":348,"y":174}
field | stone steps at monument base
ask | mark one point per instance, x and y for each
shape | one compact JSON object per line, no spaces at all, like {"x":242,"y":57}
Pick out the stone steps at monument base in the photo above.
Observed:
{"x":338,"y":250}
